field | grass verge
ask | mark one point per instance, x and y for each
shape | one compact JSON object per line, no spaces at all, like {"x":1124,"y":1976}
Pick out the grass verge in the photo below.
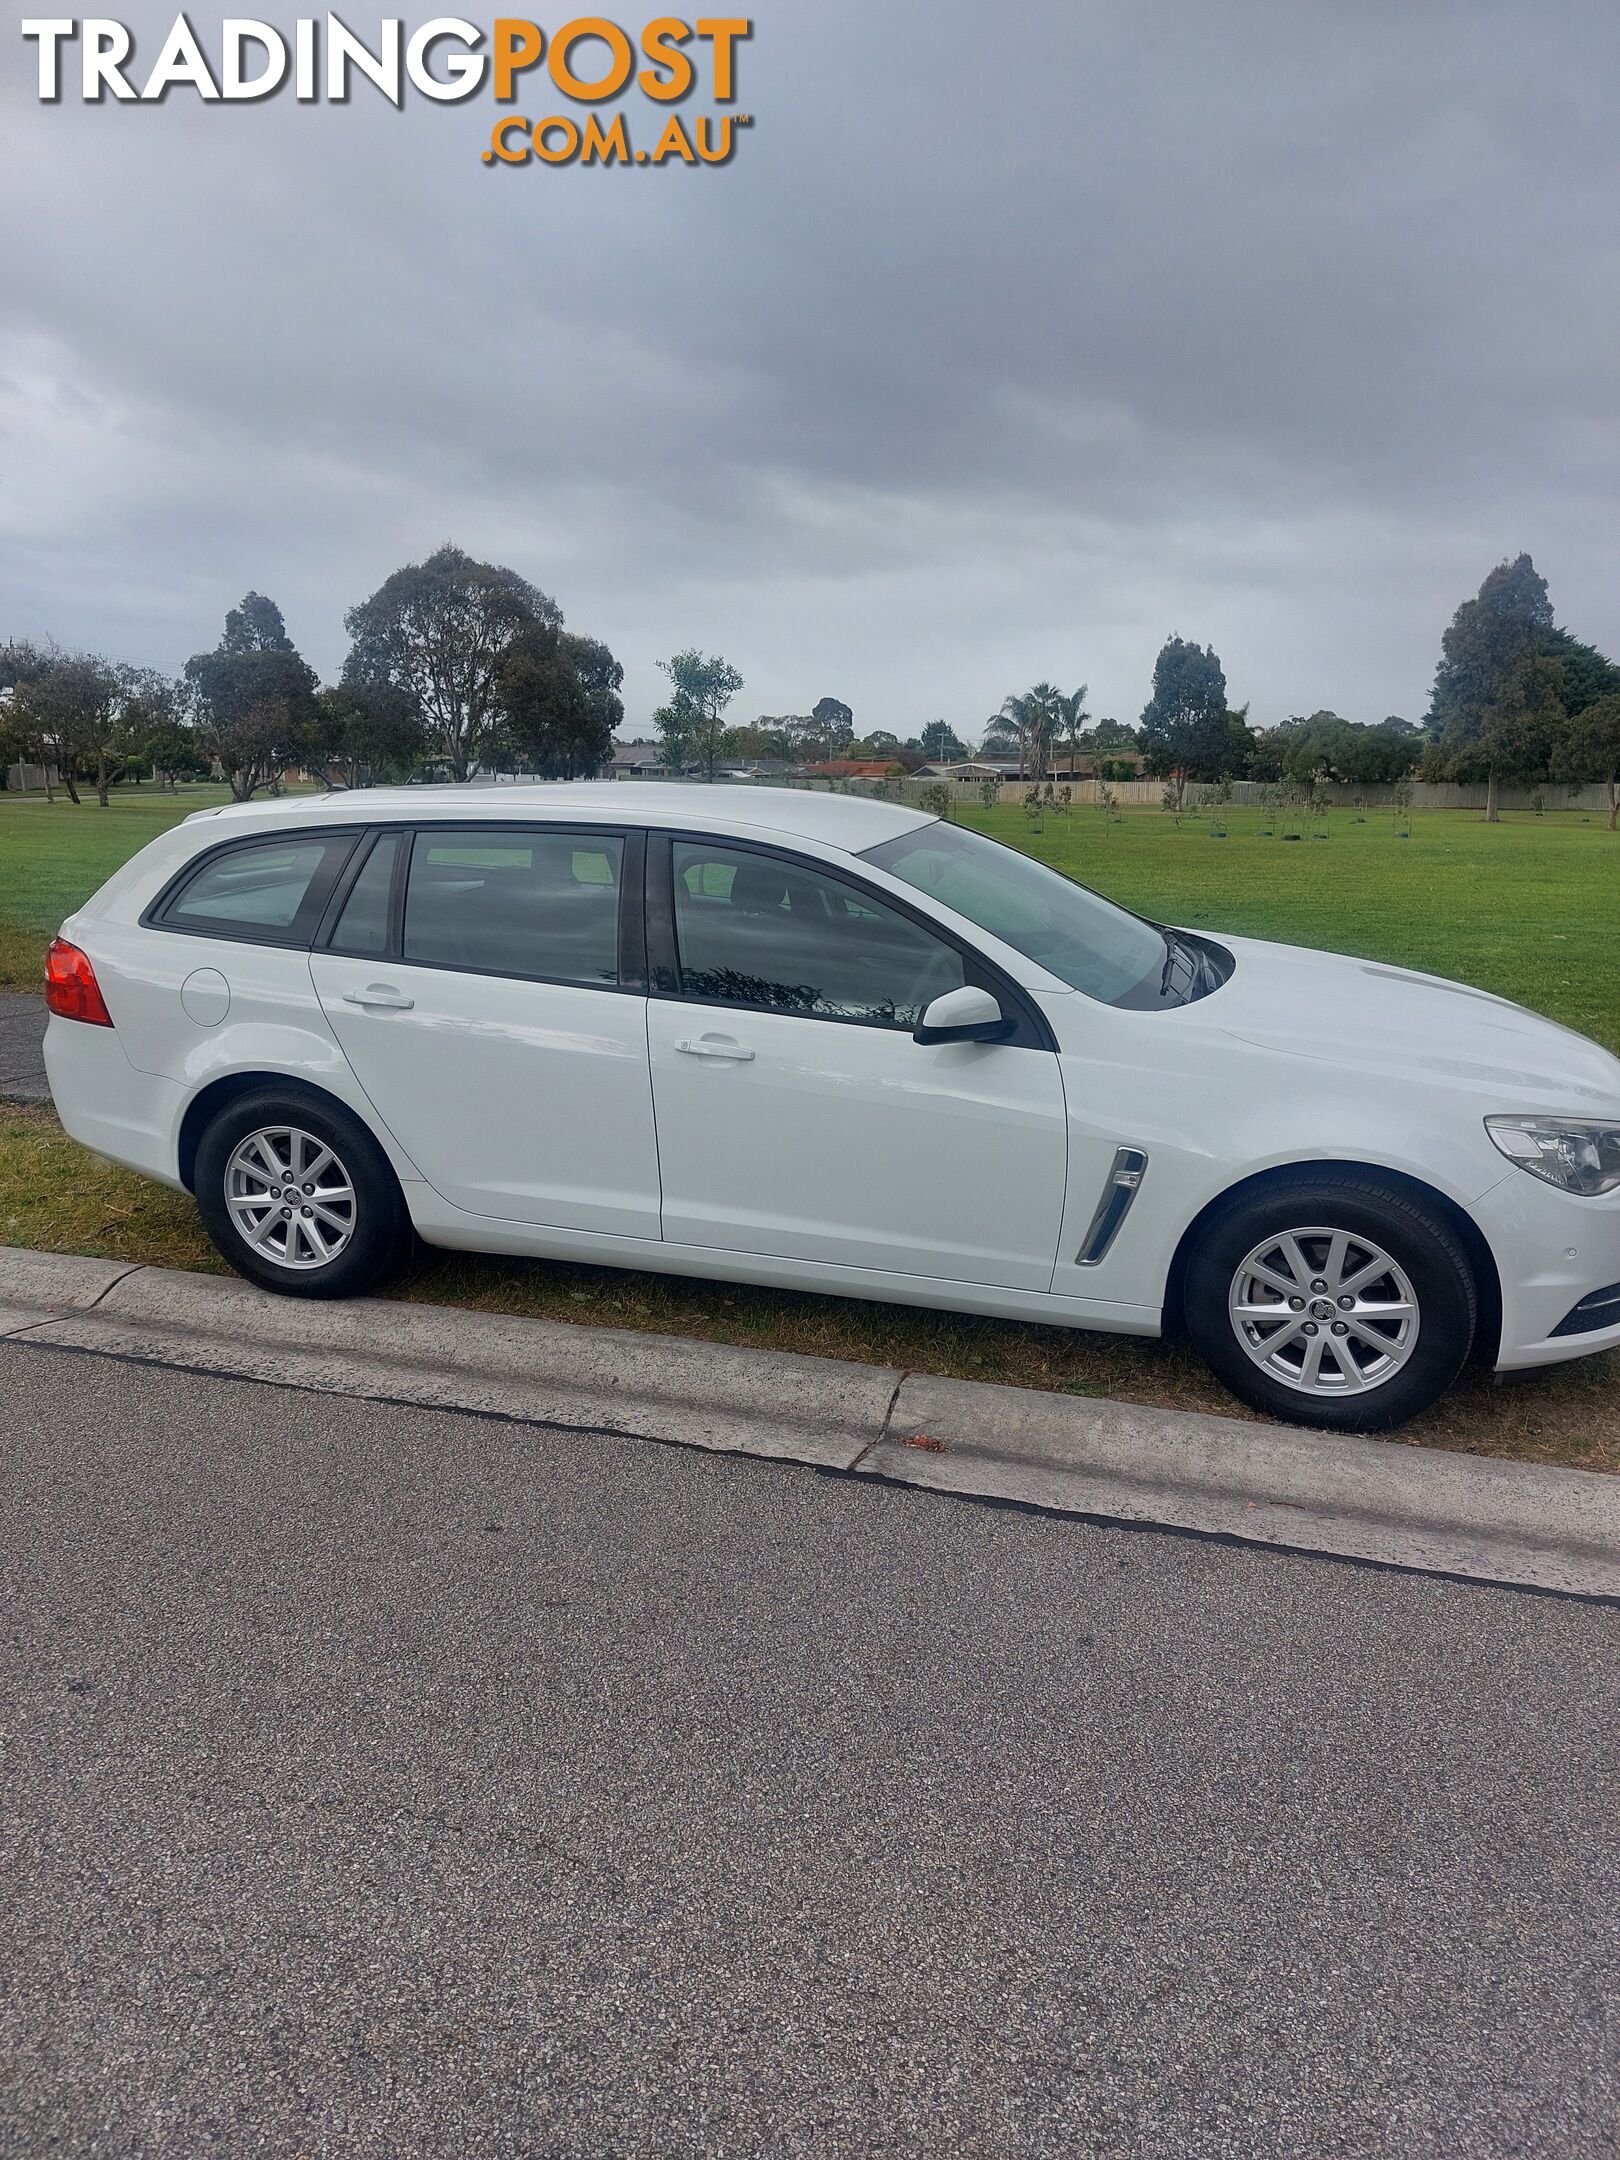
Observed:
{"x":56,"y":1197}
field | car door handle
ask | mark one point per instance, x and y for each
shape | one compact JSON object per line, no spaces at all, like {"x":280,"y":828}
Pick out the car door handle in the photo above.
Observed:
{"x":717,"y":1046}
{"x":378,"y":997}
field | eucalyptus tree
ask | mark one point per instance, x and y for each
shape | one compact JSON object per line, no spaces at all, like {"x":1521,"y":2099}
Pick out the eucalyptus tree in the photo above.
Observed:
{"x":441,"y":631}
{"x":368,"y":732}
{"x":69,"y":707}
{"x":1111,"y":734}
{"x":694,"y":719}
{"x":560,"y":696}
{"x":87,"y":717}
{"x":1590,"y":750}
{"x":836,"y":723}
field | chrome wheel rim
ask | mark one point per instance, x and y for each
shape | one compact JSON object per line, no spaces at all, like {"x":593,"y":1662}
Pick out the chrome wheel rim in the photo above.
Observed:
{"x":1326,"y":1312}
{"x":290,"y":1197}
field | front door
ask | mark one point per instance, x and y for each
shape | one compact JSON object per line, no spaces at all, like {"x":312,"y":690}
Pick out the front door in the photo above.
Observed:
{"x":478,"y":981}
{"x":796,"y":1116}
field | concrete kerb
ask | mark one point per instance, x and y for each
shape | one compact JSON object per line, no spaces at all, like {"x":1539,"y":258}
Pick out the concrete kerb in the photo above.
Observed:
{"x":1360,"y":1499}
{"x":1363,"y":1499}
{"x":659,"y":1387}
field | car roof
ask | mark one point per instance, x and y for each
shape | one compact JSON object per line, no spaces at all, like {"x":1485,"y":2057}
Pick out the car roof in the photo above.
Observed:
{"x":849,"y":822}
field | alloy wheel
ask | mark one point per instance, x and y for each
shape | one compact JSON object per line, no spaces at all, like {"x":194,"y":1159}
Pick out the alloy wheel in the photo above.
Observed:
{"x":290,"y":1197}
{"x":1327,"y":1312}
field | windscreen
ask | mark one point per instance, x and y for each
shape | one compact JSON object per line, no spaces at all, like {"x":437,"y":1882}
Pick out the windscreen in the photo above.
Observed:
{"x":1080,"y":937}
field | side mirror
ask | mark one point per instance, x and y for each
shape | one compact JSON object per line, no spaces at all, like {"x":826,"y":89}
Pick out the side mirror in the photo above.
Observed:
{"x":965,"y":1015}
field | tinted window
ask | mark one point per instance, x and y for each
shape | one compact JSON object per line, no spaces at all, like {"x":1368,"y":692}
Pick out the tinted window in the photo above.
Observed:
{"x":1082,"y":938}
{"x":363,"y":925}
{"x":763,"y":930}
{"x":263,"y":889}
{"x":544,"y":904}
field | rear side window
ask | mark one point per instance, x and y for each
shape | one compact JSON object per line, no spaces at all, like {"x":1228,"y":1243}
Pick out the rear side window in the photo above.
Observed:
{"x":502,"y":903}
{"x":269,"y":891}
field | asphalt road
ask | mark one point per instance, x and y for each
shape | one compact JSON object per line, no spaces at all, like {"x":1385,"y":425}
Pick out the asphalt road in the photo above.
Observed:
{"x":385,"y":1782}
{"x":22,"y":1058}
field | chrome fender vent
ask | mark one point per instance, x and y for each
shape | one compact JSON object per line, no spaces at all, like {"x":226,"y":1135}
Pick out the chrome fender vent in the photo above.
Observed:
{"x":1124,"y":1182}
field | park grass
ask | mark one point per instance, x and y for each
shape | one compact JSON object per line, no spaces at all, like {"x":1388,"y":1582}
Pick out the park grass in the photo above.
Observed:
{"x":1529,"y":908}
{"x":55,"y":1197}
{"x":53,"y":856}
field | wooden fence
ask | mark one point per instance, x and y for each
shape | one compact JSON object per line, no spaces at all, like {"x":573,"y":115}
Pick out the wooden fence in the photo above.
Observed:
{"x":1426,"y":794}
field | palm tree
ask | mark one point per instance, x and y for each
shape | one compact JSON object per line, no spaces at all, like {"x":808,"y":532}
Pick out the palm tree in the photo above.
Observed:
{"x":1071,"y":718}
{"x":1034,"y":718}
{"x":1014,"y":715}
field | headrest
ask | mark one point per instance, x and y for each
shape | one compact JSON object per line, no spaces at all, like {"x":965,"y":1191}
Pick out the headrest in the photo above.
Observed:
{"x":758,"y":886}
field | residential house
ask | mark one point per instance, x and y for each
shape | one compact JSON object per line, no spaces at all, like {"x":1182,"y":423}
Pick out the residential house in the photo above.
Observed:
{"x":844,"y":768}
{"x":638,"y":760}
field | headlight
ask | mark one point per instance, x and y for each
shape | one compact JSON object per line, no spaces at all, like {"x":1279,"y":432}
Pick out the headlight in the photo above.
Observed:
{"x":1577,"y":1155}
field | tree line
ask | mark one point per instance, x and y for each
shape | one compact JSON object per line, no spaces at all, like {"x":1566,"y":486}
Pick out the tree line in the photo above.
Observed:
{"x":455,"y":663}
{"x":1518,"y":700}
{"x":693,"y":737}
{"x":452,"y":663}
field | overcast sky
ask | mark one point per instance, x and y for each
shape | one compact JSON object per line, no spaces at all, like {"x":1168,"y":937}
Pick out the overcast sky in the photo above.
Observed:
{"x":1014,"y":339}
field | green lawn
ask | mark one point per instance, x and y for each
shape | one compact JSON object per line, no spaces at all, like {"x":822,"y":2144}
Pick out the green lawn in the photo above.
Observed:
{"x":1529,"y":908}
{"x":53,"y":856}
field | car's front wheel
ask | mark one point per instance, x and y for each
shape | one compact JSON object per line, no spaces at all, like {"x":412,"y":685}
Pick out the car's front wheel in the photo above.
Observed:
{"x":1332,"y":1299}
{"x":298,"y":1196}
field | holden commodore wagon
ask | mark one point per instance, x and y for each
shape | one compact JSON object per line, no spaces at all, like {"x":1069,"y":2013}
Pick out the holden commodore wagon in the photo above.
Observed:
{"x":833,"y":1045}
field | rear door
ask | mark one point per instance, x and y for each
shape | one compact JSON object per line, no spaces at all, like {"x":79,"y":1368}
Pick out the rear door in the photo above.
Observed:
{"x":487,"y":983}
{"x":798,"y":1119}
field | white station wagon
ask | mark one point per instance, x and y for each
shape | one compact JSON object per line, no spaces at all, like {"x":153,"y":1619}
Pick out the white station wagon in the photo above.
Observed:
{"x":833,"y":1045}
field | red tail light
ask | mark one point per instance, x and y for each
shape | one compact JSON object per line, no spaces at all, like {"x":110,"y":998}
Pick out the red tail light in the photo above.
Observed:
{"x":71,"y":988}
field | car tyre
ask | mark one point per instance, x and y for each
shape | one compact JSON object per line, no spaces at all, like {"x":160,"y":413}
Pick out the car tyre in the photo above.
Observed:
{"x":297,"y":1195}
{"x":1287,"y":1266}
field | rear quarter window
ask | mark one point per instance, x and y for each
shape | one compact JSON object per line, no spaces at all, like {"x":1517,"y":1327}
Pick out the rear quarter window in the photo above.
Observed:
{"x":263,"y":890}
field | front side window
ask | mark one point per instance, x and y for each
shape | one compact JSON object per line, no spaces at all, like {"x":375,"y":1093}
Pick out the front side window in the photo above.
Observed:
{"x":756,"y":929}
{"x":1081,"y":938}
{"x":533,"y":903}
{"x":265,"y":890}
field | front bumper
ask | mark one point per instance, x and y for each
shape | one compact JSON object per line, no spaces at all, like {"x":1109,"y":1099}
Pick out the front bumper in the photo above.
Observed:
{"x":1552,"y":1250}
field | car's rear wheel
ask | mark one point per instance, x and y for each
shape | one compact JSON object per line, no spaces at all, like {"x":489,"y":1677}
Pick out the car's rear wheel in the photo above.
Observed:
{"x":1332,"y":1299}
{"x":298,"y":1196}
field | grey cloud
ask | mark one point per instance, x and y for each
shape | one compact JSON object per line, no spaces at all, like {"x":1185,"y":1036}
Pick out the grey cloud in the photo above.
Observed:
{"x":1011,"y":341}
